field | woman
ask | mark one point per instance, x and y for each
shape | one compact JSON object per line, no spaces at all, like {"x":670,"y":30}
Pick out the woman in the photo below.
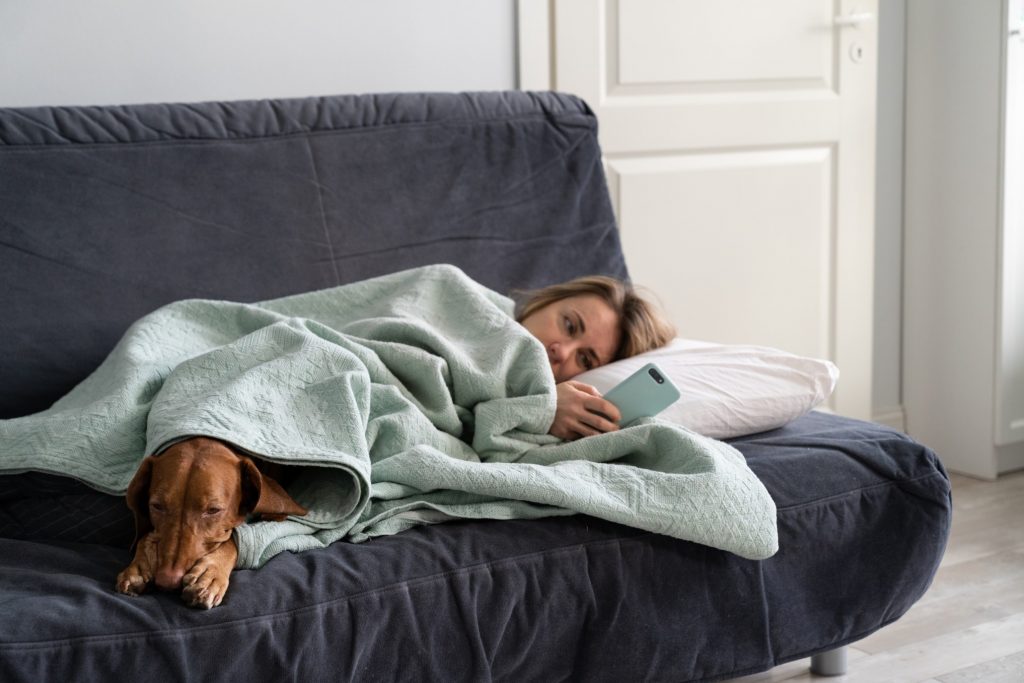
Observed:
{"x":584,"y":323}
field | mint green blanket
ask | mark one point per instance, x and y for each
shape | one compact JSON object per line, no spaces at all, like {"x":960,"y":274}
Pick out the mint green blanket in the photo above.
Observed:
{"x":409,"y":399}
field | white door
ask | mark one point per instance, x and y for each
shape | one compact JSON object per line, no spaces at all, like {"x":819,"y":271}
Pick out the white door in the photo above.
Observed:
{"x":739,"y":140}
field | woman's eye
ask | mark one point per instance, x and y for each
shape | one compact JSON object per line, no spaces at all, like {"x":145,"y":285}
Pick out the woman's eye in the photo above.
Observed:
{"x":570,"y":326}
{"x":585,"y":362}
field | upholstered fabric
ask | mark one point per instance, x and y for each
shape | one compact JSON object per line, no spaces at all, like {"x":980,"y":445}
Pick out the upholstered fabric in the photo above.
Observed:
{"x":107,"y":213}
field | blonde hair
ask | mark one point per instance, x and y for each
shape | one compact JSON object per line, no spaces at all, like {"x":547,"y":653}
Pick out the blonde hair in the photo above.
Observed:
{"x":642,"y":325}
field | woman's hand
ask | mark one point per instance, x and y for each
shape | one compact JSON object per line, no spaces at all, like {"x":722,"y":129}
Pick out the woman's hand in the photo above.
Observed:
{"x":582,"y":412}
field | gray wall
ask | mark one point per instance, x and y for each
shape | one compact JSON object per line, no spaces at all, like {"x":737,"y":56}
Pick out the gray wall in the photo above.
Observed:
{"x":57,"y":52}
{"x":63,"y":52}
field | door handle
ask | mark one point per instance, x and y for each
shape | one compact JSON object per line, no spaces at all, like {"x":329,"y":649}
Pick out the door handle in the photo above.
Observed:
{"x":852,"y":19}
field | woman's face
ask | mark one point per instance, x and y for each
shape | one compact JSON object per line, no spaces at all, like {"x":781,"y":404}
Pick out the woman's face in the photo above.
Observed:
{"x":579,"y":333}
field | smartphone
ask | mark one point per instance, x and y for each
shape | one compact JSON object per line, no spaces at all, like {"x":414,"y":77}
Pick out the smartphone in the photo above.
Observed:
{"x":645,"y":393}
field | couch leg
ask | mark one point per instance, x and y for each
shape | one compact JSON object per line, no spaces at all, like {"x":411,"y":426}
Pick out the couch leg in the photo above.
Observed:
{"x":831,"y":663}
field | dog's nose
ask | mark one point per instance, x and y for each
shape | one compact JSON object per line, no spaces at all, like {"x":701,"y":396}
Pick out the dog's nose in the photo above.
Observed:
{"x":168,"y":579}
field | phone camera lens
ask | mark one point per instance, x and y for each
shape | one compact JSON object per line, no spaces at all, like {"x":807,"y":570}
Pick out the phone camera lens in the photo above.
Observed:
{"x":657,"y":377}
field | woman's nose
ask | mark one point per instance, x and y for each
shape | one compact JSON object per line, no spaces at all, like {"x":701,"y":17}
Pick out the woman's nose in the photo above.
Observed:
{"x":557,"y":352}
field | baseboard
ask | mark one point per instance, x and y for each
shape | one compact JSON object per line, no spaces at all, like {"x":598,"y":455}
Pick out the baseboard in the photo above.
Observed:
{"x":892,"y":417}
{"x":1010,"y":458}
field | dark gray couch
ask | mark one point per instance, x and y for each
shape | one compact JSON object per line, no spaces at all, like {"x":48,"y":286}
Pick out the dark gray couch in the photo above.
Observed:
{"x":107,"y":213}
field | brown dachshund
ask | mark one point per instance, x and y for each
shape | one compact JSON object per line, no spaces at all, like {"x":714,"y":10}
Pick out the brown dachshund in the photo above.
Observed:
{"x":186,"y":501}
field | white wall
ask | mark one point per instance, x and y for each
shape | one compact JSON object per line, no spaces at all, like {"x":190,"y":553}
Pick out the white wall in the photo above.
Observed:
{"x":66,"y":52}
{"x":63,"y":52}
{"x":887,"y":397}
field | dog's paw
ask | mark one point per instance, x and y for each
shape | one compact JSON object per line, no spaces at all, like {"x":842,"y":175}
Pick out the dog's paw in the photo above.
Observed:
{"x":132,"y":581}
{"x":205,"y":584}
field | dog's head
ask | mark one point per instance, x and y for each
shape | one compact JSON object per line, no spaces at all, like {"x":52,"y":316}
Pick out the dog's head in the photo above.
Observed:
{"x":193,"y":495}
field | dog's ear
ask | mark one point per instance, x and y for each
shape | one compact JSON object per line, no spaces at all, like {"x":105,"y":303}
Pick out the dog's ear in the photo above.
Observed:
{"x":137,"y":498}
{"x":262,"y":495}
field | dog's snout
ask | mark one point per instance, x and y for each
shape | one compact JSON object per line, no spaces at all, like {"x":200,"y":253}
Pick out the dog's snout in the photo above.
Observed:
{"x":186,"y":502}
{"x":168,"y":578}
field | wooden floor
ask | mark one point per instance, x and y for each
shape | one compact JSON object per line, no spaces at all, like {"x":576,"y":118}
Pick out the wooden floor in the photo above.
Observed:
{"x":969,"y":626}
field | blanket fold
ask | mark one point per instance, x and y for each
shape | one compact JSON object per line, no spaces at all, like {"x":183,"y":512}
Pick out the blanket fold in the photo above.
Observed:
{"x":407,"y":399}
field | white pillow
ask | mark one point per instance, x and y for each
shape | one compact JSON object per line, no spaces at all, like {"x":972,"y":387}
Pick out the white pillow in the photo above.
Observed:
{"x":729,"y":390}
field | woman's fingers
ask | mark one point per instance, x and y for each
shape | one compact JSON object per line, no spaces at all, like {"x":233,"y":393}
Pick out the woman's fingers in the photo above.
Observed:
{"x":595,"y":403}
{"x":582,"y":412}
{"x":592,"y":390}
{"x":590,"y":422}
{"x":603,"y":409}
{"x":598,"y":424}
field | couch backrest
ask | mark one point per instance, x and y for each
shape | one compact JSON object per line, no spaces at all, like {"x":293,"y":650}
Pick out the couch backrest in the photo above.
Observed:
{"x":107,"y":213}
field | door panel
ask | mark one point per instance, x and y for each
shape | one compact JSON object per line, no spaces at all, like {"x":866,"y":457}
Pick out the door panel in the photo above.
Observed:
{"x":722,"y":218}
{"x":739,"y":140}
{"x":695,"y":45}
